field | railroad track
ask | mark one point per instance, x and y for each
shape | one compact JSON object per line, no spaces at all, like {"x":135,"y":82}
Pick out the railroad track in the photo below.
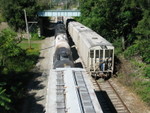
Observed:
{"x":109,"y":98}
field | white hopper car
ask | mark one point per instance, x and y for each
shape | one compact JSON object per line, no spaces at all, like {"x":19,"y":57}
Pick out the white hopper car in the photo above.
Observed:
{"x":97,"y":53}
{"x":71,"y":91}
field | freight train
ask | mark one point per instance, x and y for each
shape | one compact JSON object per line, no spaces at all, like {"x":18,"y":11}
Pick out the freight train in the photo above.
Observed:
{"x":96,"y":53}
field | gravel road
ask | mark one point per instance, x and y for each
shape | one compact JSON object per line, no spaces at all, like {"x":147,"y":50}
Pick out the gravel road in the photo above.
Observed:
{"x":37,"y":89}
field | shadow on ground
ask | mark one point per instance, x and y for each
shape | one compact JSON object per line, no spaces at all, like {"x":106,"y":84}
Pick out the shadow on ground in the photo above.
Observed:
{"x":31,"y":102}
{"x":105,"y":102}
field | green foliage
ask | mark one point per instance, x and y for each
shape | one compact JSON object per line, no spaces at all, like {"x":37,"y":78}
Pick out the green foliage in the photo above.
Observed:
{"x":35,"y":36}
{"x":4,"y":99}
{"x":110,"y":19}
{"x":24,"y":45}
{"x":131,"y":51}
{"x":34,"y":51}
{"x":143,"y":28}
{"x":116,"y":20}
{"x":142,"y":48}
{"x":12,"y":11}
{"x":147,"y":71}
{"x":117,"y":44}
{"x":15,"y":63}
{"x":143,"y":89}
{"x":137,"y":77}
{"x":1,"y":17}
{"x":125,"y":23}
{"x":9,"y":50}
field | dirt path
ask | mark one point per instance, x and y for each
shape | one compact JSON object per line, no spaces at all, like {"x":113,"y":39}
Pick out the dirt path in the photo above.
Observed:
{"x":3,"y":25}
{"x":132,"y":101}
{"x":37,"y":89}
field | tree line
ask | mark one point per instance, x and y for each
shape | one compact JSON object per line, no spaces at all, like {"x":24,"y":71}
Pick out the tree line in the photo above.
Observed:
{"x":15,"y":62}
{"x":13,"y":11}
{"x":125,"y":23}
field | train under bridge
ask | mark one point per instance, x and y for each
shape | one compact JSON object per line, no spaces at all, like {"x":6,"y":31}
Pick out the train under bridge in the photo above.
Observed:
{"x":48,"y":18}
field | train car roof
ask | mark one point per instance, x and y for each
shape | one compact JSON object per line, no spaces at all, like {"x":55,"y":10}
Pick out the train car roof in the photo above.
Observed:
{"x":79,"y":96}
{"x":91,"y":38}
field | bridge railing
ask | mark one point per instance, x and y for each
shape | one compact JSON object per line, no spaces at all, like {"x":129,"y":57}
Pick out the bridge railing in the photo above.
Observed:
{"x":55,"y":13}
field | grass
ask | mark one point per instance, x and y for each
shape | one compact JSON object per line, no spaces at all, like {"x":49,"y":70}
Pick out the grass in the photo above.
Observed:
{"x":34,"y":37}
{"x":35,"y":48}
{"x":19,"y":68}
{"x":137,"y":77}
{"x":25,"y":45}
{"x":142,"y":88}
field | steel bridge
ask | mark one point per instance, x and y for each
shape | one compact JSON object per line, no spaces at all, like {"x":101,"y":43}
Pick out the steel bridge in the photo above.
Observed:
{"x":56,"y":13}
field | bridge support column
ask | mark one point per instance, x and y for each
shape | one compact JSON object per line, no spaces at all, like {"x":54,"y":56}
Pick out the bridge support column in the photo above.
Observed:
{"x":40,"y":26}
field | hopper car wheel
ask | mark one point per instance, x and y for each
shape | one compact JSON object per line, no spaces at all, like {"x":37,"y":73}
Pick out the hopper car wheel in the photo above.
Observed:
{"x":95,"y":76}
{"x":108,"y":76}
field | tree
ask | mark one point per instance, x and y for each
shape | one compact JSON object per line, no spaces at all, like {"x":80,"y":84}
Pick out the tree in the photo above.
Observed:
{"x":12,"y":11}
{"x":112,"y":19}
{"x":14,"y":63}
{"x":4,"y":100}
{"x":10,"y":53}
{"x":101,"y":15}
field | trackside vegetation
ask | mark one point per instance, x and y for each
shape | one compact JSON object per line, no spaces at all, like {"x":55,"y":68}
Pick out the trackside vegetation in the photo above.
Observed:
{"x":16,"y":59}
{"x":125,"y":23}
{"x":13,"y":12}
{"x":15,"y":65}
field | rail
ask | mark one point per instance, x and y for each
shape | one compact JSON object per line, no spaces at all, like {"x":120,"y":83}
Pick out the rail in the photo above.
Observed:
{"x":108,"y":90}
{"x":119,"y":97}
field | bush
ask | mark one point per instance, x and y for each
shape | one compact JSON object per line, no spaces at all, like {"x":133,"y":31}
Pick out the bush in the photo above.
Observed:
{"x":131,"y":51}
{"x":1,"y":18}
{"x":4,"y":100}
{"x":141,"y":47}
{"x":144,"y":48}
{"x":35,"y":36}
{"x":118,"y":46}
{"x":143,"y":89}
{"x":15,"y":64}
{"x":147,"y":71}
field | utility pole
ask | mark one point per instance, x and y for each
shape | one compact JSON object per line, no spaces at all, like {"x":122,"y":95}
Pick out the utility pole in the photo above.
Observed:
{"x":51,"y":4}
{"x":78,"y":4}
{"x":67,"y":4}
{"x":27,"y":28}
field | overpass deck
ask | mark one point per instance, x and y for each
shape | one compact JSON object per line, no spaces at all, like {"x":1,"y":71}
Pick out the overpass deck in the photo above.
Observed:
{"x":56,"y":13}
